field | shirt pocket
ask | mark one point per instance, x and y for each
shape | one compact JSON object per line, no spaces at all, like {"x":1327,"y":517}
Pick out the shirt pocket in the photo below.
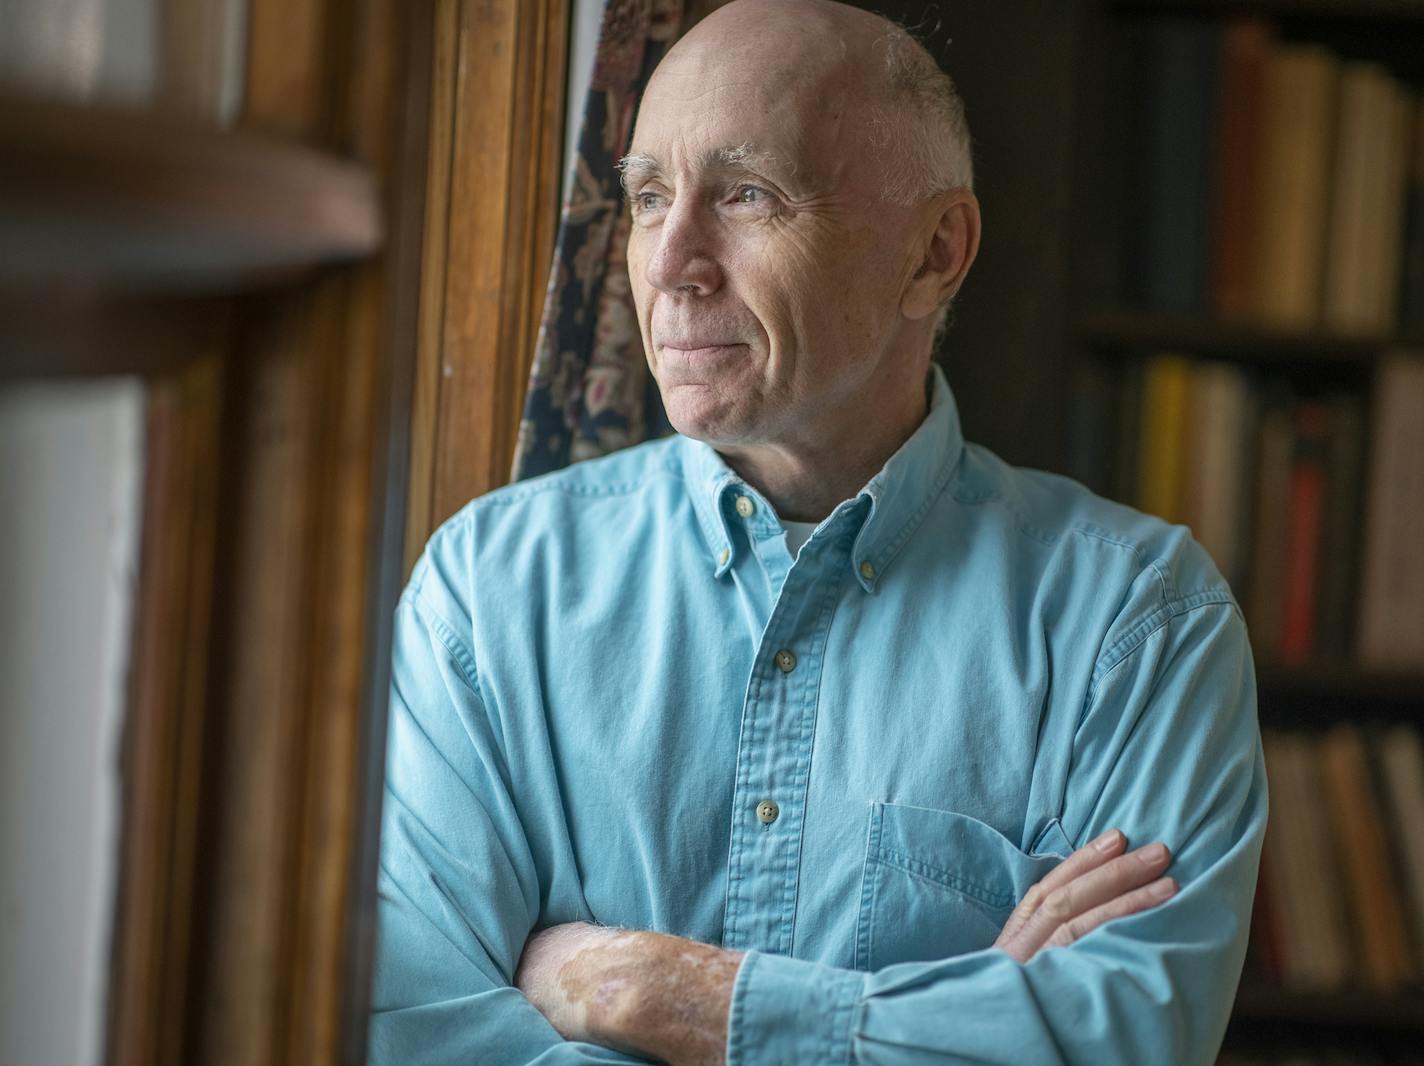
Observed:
{"x":939,"y":883}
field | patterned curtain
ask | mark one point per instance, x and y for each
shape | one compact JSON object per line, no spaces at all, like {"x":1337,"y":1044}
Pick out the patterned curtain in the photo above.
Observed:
{"x":590,"y":391}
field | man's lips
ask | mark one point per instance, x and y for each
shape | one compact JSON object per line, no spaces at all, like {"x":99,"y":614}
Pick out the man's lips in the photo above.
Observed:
{"x":698,"y":361}
{"x":698,"y":349}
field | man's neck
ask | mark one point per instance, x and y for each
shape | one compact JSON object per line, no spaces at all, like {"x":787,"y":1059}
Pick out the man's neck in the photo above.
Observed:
{"x":805,"y":481}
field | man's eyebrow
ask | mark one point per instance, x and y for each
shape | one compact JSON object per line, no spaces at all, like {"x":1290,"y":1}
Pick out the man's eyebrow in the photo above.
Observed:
{"x":745,"y":156}
{"x":634,"y":166}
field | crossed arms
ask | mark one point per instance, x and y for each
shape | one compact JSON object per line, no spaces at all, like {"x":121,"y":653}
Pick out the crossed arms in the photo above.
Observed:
{"x":1168,"y":747}
{"x":668,"y":998}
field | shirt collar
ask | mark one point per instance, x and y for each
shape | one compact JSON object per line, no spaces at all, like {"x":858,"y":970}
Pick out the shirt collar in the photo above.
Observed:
{"x":888,"y":509}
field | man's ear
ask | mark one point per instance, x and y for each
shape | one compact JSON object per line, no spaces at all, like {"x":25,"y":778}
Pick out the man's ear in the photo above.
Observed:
{"x":952,"y":247}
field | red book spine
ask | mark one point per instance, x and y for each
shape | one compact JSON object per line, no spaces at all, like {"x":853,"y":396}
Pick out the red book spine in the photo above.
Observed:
{"x":1303,"y":528}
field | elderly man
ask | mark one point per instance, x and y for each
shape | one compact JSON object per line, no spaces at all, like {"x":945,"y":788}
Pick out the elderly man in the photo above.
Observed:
{"x":776,"y":734}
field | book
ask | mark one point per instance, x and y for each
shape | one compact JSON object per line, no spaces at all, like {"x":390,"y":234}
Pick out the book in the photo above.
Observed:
{"x":1411,"y":287}
{"x":1166,"y":390}
{"x":1391,"y":606}
{"x":1399,"y":755}
{"x":1293,"y":172}
{"x":1359,"y":841}
{"x":1364,"y":102}
{"x":1390,"y":209}
{"x":1129,"y":432}
{"x":1339,"y":537}
{"x":1304,"y":519}
{"x":1265,"y":594}
{"x":1216,"y":478}
{"x":1178,"y":94}
{"x":1092,"y":422}
{"x":1269,"y":939}
{"x":1281,"y":857}
{"x":1318,"y":953}
{"x":1246,"y":43}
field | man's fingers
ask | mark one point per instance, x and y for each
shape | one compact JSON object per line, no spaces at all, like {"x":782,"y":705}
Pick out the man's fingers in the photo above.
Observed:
{"x":1090,"y":856}
{"x":1139,"y":899}
{"x":1096,"y":883}
{"x":1100,"y":885}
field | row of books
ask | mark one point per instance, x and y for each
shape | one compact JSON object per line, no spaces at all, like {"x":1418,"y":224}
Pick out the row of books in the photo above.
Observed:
{"x":1340,"y":899}
{"x":1279,"y":183}
{"x":1310,"y":505}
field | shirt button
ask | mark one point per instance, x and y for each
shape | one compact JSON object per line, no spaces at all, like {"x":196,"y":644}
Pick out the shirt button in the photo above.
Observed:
{"x":785,"y":661}
{"x":767,"y":811}
{"x":745,"y":507}
{"x":867,"y":569}
{"x":723,"y":556}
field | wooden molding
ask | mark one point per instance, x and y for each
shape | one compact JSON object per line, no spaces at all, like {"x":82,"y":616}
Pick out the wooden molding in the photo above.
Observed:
{"x":257,"y":716}
{"x":58,"y":334}
{"x":168,"y":713}
{"x":491,"y":214}
{"x":109,"y":198}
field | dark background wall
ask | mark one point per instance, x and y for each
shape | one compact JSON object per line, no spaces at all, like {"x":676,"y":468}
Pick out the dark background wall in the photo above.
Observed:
{"x":1016,"y":64}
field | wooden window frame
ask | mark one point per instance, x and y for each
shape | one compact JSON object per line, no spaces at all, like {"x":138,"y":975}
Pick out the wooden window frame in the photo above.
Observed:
{"x":317,"y":401}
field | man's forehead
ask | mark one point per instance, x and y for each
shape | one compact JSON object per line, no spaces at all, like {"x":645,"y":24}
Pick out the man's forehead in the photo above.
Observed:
{"x":729,"y":126}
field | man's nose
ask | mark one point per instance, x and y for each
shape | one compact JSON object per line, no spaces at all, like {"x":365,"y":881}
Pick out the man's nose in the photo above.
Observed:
{"x":685,"y":257}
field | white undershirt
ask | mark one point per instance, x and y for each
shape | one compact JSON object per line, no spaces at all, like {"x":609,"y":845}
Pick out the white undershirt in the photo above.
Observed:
{"x":797,"y":533}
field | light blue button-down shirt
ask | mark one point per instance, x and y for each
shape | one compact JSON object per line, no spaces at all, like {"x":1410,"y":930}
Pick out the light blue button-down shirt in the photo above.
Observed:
{"x":602,"y":675}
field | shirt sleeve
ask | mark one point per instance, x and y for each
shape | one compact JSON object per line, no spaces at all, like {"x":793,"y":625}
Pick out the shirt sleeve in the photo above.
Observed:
{"x":458,"y":892}
{"x":1168,"y":749}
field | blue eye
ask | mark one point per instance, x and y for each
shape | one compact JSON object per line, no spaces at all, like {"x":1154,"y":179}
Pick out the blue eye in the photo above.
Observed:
{"x":751,"y":194}
{"x":648,"y":201}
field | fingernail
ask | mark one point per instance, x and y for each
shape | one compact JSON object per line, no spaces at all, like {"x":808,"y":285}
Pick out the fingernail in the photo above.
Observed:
{"x":1107,"y":841}
{"x":1152,"y":854}
{"x":1163,"y":889}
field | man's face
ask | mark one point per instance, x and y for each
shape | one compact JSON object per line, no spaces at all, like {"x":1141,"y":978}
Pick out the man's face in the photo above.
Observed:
{"x":765,"y":266}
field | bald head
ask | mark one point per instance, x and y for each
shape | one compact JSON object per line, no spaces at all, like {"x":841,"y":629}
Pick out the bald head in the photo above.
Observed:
{"x":853,"y":67}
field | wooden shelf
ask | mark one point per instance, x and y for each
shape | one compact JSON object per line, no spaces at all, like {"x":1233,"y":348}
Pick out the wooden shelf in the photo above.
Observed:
{"x":102,"y":199}
{"x":1130,"y":331}
{"x":1323,"y":694}
{"x":1407,"y":11}
{"x":1344,"y":679}
{"x":1262,"y":1004}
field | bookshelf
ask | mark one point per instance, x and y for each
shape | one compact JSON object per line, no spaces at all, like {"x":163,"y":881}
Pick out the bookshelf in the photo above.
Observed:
{"x":1134,"y":333}
{"x":1175,"y":284}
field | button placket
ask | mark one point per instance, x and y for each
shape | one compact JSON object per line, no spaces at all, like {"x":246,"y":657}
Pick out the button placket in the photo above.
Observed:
{"x":778,"y":730}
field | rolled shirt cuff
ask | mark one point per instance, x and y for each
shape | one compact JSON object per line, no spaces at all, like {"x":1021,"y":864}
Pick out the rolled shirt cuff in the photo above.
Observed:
{"x":786,"y":1012}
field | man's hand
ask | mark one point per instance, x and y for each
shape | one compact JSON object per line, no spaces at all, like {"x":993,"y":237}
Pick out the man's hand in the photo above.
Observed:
{"x":643,"y":993}
{"x":1095,"y":884}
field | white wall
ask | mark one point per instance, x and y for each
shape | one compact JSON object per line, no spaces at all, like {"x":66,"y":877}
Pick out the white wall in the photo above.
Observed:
{"x":70,"y":505}
{"x":587,"y":18}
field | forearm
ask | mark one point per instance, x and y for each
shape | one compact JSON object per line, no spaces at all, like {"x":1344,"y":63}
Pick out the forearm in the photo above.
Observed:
{"x":661,"y":996}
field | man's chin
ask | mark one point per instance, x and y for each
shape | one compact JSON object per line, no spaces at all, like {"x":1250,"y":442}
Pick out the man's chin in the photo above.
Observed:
{"x":695,"y":412}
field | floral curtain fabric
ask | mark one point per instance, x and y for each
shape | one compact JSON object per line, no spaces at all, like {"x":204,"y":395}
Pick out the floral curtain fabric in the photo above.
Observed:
{"x":590,"y":391}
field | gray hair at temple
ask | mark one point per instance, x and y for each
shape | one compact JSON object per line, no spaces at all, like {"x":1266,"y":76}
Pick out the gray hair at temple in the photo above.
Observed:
{"x":920,"y":132}
{"x":919,"y":128}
